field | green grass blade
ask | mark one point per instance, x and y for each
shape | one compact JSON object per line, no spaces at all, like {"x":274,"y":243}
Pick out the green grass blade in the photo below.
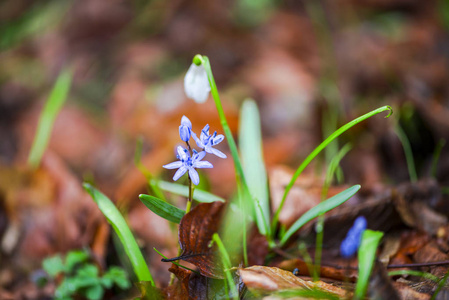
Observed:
{"x":408,"y":153}
{"x":440,"y":286}
{"x":436,"y":157}
{"x":366,"y":255}
{"x":226,"y":264}
{"x":162,"y":208}
{"x":250,"y":141}
{"x":182,"y":190}
{"x":425,"y":275}
{"x":117,"y":221}
{"x":51,"y":109}
{"x":317,"y":150}
{"x":333,"y":166}
{"x":319,"y":209}
{"x":36,"y":20}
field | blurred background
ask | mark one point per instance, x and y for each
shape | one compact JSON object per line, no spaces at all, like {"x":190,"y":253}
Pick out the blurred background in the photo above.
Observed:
{"x":310,"y":65}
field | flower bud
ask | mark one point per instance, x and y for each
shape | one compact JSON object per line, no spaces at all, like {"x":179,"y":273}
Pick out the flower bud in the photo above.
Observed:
{"x":185,"y":129}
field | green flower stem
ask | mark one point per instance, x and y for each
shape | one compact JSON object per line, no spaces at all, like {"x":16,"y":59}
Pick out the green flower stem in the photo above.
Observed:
{"x":189,"y":201}
{"x":317,"y":150}
{"x":240,"y":177}
{"x":224,"y":123}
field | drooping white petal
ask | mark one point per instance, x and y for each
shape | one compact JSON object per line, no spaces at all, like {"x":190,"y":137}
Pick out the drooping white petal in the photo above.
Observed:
{"x":194,"y":176}
{"x":181,"y":171}
{"x":196,"y":84}
{"x":202,"y":165}
{"x":216,"y":152}
{"x":173,"y":165}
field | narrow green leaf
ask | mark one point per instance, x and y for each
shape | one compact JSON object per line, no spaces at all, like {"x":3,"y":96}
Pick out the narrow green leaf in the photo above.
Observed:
{"x":366,"y":255}
{"x":250,"y":141}
{"x":182,"y":190}
{"x":408,"y":152}
{"x":226,"y":264}
{"x":51,"y":109}
{"x":317,"y":150}
{"x":440,"y":286}
{"x":319,"y":209}
{"x":162,"y":208}
{"x":148,"y":291}
{"x":123,"y":232}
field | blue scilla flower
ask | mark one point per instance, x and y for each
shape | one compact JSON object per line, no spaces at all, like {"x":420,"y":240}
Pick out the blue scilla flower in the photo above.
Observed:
{"x":352,"y":240}
{"x":187,"y":163}
{"x":185,"y":129}
{"x":206,"y":141}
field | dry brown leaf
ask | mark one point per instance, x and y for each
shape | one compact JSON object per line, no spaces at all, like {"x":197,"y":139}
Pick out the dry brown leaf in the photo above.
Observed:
{"x":413,"y":200}
{"x":407,"y":293}
{"x":305,"y":194}
{"x":380,"y":285}
{"x":194,"y":286}
{"x":337,"y":272}
{"x":269,"y":279}
{"x":195,"y":233}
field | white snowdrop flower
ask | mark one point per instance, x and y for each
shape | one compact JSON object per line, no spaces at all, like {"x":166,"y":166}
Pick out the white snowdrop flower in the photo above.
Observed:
{"x":196,"y":84}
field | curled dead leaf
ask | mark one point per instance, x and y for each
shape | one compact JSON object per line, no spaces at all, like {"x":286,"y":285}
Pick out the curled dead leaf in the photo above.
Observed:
{"x":269,"y":279}
{"x":195,"y":233}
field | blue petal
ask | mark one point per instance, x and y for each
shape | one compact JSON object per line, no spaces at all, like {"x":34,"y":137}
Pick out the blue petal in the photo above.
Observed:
{"x":199,"y":156}
{"x":216,"y":152}
{"x":197,"y":141}
{"x":186,"y":122}
{"x":206,"y":130}
{"x":193,"y":174}
{"x":348,"y":247}
{"x":183,"y":154}
{"x":184,"y":133}
{"x":173,"y":165}
{"x":181,"y":171}
{"x":202,"y":165}
{"x":217,"y":139}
